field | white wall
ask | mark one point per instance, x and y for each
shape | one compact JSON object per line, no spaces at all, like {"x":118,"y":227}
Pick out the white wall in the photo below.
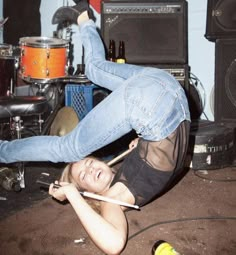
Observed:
{"x":201,"y":51}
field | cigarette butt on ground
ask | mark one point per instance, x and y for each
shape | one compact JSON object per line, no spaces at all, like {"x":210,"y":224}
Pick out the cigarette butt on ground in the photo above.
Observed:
{"x":81,"y":240}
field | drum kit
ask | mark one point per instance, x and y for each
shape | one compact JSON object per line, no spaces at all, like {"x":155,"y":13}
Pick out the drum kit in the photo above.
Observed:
{"x":40,"y":63}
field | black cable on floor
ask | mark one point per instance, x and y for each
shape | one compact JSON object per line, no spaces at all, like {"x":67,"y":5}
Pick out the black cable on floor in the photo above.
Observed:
{"x":180,"y":220}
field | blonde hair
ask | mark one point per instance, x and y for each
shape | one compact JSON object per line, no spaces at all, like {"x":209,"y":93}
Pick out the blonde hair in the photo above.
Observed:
{"x":66,"y":176}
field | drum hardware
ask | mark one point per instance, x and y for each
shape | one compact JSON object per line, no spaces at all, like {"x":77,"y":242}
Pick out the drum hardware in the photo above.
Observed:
{"x":50,"y":118}
{"x":10,"y":92}
{"x":81,"y":78}
{"x":54,"y":92}
{"x":15,"y":109}
{"x":9,"y":62}
{"x":42,"y":63}
{"x":71,"y":69}
{"x":48,"y":54}
{"x":78,"y":78}
{"x":16,"y":125}
{"x":6,"y":50}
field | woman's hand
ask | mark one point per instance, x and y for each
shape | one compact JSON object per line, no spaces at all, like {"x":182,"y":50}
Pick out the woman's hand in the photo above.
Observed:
{"x":133,"y":144}
{"x":62,"y":192}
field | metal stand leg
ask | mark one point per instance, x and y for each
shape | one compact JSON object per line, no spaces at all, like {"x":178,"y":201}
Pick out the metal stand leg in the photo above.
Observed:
{"x":20,"y":166}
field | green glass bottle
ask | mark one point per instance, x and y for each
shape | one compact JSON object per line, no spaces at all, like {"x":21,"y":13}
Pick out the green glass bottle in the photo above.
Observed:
{"x":121,"y":56}
{"x":112,"y":51}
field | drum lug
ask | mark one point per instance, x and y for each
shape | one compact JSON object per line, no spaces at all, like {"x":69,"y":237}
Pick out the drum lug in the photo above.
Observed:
{"x":47,"y":72}
{"x":48,"y":54}
{"x":22,"y":69}
{"x":16,"y":63}
{"x":66,"y":69}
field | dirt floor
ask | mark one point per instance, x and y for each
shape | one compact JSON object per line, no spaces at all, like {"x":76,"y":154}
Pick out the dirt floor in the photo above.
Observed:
{"x":197,"y":216}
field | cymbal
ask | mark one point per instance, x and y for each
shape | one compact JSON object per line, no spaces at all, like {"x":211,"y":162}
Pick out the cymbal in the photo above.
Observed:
{"x":64,"y":122}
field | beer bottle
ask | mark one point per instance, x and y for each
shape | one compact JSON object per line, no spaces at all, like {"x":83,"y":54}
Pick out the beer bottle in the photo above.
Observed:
{"x":163,"y":248}
{"x":112,"y":51}
{"x":121,"y":56}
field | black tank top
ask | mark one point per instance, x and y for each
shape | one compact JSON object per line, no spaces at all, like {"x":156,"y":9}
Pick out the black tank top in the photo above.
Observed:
{"x":151,"y":167}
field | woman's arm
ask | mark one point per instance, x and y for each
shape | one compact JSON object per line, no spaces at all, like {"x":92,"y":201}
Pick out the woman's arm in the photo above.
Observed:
{"x":108,"y":230}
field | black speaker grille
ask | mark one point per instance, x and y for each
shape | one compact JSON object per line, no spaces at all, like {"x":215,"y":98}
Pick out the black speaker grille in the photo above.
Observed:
{"x":230,"y":83}
{"x":225,"y":80}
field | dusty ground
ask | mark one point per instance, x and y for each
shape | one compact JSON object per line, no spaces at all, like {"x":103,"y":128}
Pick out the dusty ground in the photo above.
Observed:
{"x":198,"y":217}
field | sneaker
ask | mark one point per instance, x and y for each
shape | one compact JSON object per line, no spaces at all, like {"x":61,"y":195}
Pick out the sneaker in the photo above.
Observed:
{"x":70,"y":14}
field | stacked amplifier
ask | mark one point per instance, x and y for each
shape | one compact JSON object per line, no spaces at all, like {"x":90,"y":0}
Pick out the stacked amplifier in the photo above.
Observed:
{"x":155,"y":33}
{"x":221,"y":29}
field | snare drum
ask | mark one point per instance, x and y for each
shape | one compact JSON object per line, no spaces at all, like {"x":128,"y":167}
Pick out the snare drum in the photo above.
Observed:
{"x":9,"y":59}
{"x":43,"y":59}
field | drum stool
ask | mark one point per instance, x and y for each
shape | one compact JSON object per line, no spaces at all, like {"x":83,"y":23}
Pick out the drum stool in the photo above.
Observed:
{"x":16,"y":107}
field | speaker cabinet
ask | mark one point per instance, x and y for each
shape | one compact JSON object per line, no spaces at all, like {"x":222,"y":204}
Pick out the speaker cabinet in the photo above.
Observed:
{"x":225,"y":80}
{"x":154,"y":32}
{"x":221,"y":19}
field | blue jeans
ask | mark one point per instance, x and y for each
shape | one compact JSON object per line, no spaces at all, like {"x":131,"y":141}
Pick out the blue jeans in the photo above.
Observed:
{"x":145,"y":99}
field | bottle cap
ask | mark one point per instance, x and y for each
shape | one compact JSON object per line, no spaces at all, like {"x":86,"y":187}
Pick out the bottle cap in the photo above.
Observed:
{"x":120,"y":60}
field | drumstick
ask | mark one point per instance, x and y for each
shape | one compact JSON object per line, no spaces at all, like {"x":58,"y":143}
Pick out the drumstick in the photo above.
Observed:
{"x":119,"y":157}
{"x":107,"y":199}
{"x":94,"y":196}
